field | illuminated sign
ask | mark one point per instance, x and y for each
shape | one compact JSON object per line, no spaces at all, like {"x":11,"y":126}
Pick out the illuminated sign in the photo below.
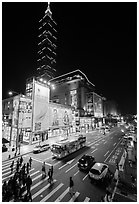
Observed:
{"x":98,"y":109}
{"x":41,"y":105}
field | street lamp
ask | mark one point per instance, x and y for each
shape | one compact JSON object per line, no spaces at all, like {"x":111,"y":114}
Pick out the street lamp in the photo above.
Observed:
{"x":17,"y":137}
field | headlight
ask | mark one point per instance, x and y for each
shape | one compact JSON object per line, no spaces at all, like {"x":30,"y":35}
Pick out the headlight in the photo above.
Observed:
{"x":85,"y":164}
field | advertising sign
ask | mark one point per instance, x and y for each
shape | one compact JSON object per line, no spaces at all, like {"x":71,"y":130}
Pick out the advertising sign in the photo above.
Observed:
{"x":15,"y":111}
{"x":25,"y":113}
{"x":41,"y":107}
{"x":98,"y":109}
{"x":59,"y":116}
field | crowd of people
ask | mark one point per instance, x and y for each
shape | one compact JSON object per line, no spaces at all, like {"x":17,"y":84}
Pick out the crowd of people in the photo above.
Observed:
{"x":18,"y":183}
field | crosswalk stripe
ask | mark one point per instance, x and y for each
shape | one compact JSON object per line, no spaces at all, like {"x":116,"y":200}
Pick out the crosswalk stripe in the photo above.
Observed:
{"x":7,"y":177}
{"x":41,"y":190}
{"x":40,"y":182}
{"x":74,"y":197}
{"x":5,"y":168}
{"x":86,"y":199}
{"x":6,"y":163}
{"x":52,"y":192}
{"x":62,"y":195}
{"x":36,"y":177}
{"x":34,"y":172}
{"x":6,"y":173}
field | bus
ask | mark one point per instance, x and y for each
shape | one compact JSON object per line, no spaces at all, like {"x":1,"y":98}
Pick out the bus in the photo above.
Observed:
{"x":63,"y":148}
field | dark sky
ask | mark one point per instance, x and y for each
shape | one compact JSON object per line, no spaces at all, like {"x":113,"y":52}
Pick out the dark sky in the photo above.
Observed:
{"x":97,"y":38}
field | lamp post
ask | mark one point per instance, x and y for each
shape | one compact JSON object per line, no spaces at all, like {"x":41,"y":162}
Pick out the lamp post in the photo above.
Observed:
{"x":18,"y":109}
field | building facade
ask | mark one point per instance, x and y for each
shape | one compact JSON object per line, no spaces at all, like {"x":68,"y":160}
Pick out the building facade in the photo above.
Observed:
{"x":17,"y":119}
{"x":47,"y":45}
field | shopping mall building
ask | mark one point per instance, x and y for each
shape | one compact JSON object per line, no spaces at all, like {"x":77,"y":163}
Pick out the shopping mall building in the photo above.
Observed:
{"x":59,"y":107}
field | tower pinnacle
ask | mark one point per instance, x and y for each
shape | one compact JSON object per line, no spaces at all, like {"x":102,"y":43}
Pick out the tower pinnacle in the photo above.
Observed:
{"x":48,"y":11}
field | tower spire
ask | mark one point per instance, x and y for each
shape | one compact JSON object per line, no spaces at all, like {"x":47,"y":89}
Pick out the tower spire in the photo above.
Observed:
{"x":48,"y":10}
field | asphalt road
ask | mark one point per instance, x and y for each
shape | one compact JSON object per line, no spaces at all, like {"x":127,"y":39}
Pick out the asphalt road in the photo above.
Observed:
{"x":107,"y":149}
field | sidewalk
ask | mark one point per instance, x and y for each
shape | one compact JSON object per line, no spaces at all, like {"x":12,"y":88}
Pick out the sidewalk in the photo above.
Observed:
{"x":25,"y":149}
{"x":127,"y":189}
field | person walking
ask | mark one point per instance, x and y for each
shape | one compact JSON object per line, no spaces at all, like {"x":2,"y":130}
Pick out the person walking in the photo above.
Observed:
{"x":71,"y":185}
{"x":28,"y":183}
{"x":12,"y":165}
{"x":21,"y":160}
{"x":43,"y":170}
{"x":30,"y":162}
{"x":50,"y":175}
{"x":27,"y":168}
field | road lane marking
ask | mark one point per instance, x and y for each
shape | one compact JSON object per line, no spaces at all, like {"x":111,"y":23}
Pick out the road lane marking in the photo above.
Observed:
{"x":86,"y":199}
{"x":93,"y":147}
{"x":71,"y":168}
{"x":106,"y":153}
{"x":63,"y":166}
{"x":93,"y":151}
{"x":112,"y":151}
{"x":62,"y":195}
{"x":56,"y":163}
{"x":85,"y":177}
{"x":96,"y":144}
{"x":76,"y":173}
{"x":114,"y":144}
{"x":74,"y":197}
{"x":51,"y":193}
{"x":105,"y":142}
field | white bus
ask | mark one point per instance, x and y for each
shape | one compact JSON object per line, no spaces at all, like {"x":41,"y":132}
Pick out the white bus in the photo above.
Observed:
{"x":63,"y":148}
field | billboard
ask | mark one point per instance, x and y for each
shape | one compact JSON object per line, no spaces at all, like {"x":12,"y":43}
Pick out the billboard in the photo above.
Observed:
{"x":59,"y":116}
{"x":25,"y":113}
{"x":40,"y":107}
{"x":15,"y":111}
{"x":98,"y":108}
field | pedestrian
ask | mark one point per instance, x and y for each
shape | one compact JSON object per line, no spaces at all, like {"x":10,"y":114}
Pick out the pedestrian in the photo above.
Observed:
{"x":23,"y":169}
{"x":71,"y":185}
{"x":12,"y":165}
{"x":30,"y":162}
{"x":43,"y":170}
{"x":27,"y":168}
{"x":17,"y":165}
{"x":28,"y":183}
{"x":21,"y":161}
{"x":50,"y":175}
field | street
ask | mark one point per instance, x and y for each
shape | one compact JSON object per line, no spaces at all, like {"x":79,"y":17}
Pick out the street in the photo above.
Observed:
{"x":105,"y":148}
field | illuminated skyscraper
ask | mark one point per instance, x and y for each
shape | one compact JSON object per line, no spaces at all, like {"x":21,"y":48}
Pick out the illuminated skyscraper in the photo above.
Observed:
{"x":47,"y":46}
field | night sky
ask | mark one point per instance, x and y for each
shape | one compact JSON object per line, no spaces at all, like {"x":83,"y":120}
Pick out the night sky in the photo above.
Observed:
{"x":97,"y":38}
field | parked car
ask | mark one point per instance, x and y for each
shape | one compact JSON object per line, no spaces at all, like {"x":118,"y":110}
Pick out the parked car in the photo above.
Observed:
{"x":4,"y":148}
{"x":41,"y":148}
{"x":98,"y":171}
{"x":86,"y":162}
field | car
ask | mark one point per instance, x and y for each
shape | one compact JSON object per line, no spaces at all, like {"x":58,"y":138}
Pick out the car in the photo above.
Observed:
{"x":41,"y":148}
{"x":98,"y":171}
{"x":86,"y":162}
{"x":4,"y":148}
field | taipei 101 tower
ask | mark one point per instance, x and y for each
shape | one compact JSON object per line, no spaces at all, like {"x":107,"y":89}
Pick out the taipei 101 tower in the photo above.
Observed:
{"x":46,"y":55}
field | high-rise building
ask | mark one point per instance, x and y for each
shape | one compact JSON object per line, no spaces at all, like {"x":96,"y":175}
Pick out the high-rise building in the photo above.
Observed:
{"x":46,"y":61}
